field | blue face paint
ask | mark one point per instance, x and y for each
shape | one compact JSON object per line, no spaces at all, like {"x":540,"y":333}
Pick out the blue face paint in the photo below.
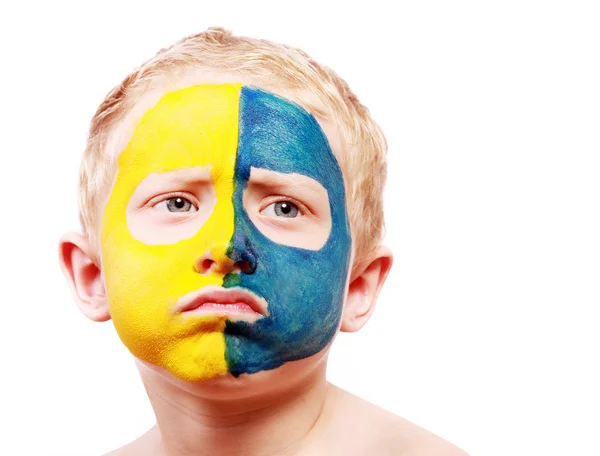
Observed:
{"x":304,"y":288}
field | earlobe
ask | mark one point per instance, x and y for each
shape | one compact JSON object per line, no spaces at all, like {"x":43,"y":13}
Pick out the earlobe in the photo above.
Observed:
{"x":84,"y":276}
{"x":365,"y":284}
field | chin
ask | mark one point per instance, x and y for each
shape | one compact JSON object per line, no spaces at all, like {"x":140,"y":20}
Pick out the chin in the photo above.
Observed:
{"x":268,"y":382}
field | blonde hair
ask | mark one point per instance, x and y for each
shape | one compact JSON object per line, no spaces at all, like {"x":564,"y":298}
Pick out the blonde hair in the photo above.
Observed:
{"x":358,"y":142}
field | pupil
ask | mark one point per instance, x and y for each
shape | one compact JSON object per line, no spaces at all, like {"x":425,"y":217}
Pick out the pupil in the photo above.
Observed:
{"x":285,"y":208}
{"x":179,"y":203}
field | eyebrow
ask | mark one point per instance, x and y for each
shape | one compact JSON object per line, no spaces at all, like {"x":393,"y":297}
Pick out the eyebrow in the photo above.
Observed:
{"x":195,"y":174}
{"x":285,"y":181}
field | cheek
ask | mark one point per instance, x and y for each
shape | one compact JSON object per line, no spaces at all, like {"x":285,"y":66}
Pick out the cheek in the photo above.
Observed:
{"x":144,"y":281}
{"x":307,"y":284}
{"x":305,"y":292}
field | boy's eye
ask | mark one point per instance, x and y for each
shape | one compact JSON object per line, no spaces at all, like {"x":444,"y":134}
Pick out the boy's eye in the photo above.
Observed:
{"x":281,"y":209}
{"x":176,"y":204}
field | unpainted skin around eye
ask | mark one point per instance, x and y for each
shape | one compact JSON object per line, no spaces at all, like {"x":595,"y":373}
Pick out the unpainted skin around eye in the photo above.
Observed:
{"x":308,"y":231}
{"x":148,"y":229}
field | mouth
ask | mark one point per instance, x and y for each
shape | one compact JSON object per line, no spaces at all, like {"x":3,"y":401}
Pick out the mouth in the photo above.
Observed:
{"x":234,"y":303}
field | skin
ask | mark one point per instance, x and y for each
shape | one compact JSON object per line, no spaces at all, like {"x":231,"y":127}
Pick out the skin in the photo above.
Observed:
{"x":280,"y":406}
{"x":231,"y":156}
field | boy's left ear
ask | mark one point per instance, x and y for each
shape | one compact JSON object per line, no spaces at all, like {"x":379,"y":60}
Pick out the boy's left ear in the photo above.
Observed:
{"x":365,"y":283}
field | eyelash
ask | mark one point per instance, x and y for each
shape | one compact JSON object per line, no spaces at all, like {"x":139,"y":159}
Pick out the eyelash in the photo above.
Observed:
{"x":167,"y":196}
{"x":302,"y":209}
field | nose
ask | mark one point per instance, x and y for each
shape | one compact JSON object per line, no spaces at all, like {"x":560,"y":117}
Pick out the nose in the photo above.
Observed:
{"x":242,"y":263}
{"x":242,"y":254}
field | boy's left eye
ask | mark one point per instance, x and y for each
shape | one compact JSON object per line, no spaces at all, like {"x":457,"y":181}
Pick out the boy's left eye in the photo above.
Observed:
{"x":176,"y":204}
{"x":282,"y":209}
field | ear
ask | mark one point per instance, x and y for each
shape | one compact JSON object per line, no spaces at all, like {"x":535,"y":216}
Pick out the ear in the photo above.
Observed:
{"x":84,"y":275}
{"x":365,"y":283}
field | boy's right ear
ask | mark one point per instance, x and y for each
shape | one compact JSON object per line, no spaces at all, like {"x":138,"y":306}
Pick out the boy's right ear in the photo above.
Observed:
{"x":76,"y":258}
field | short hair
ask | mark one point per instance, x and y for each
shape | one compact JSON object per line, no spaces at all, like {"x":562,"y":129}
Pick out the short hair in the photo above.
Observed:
{"x":358,"y":143}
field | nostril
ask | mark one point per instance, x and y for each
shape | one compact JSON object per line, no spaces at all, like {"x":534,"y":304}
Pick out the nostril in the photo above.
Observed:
{"x":205,"y":265}
{"x":245,"y":267}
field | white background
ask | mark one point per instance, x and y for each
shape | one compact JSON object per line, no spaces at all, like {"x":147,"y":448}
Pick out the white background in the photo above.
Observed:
{"x":487,"y":332}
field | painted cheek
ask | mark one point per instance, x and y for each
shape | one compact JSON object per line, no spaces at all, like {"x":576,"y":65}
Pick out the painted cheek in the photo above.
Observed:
{"x":194,"y":127}
{"x":304,"y":288}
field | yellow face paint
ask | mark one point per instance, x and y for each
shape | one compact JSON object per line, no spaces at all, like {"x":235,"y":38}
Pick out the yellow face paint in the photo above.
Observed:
{"x":189,"y":128}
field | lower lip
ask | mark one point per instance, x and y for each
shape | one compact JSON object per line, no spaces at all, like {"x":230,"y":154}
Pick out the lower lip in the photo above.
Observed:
{"x":232,"y":309}
{"x":235,"y":306}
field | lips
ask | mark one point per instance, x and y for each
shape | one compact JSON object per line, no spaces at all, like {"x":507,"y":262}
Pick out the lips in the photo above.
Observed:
{"x":236,"y":303}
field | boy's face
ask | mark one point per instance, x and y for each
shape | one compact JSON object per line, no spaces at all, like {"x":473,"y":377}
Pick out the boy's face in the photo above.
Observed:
{"x":225,"y":240}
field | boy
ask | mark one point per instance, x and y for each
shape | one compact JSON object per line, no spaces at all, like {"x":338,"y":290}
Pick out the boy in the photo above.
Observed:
{"x":231,"y":201}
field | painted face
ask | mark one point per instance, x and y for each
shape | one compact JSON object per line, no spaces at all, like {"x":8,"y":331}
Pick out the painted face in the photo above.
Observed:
{"x":225,"y":240}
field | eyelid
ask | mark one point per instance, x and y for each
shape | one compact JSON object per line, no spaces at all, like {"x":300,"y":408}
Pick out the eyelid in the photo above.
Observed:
{"x":166,"y":196}
{"x":302,"y":208}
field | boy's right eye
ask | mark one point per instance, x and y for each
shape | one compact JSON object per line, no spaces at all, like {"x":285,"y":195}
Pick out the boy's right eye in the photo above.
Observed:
{"x":176,"y":204}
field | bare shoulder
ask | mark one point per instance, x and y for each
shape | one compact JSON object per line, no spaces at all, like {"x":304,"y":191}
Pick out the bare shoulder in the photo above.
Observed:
{"x":378,"y":431}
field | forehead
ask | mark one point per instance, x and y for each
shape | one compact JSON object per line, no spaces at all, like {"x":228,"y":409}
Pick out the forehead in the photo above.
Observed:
{"x":146,"y":100}
{"x":206,"y":123}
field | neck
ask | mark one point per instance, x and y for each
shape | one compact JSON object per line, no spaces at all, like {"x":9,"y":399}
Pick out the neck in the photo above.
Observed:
{"x":220,"y":418}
